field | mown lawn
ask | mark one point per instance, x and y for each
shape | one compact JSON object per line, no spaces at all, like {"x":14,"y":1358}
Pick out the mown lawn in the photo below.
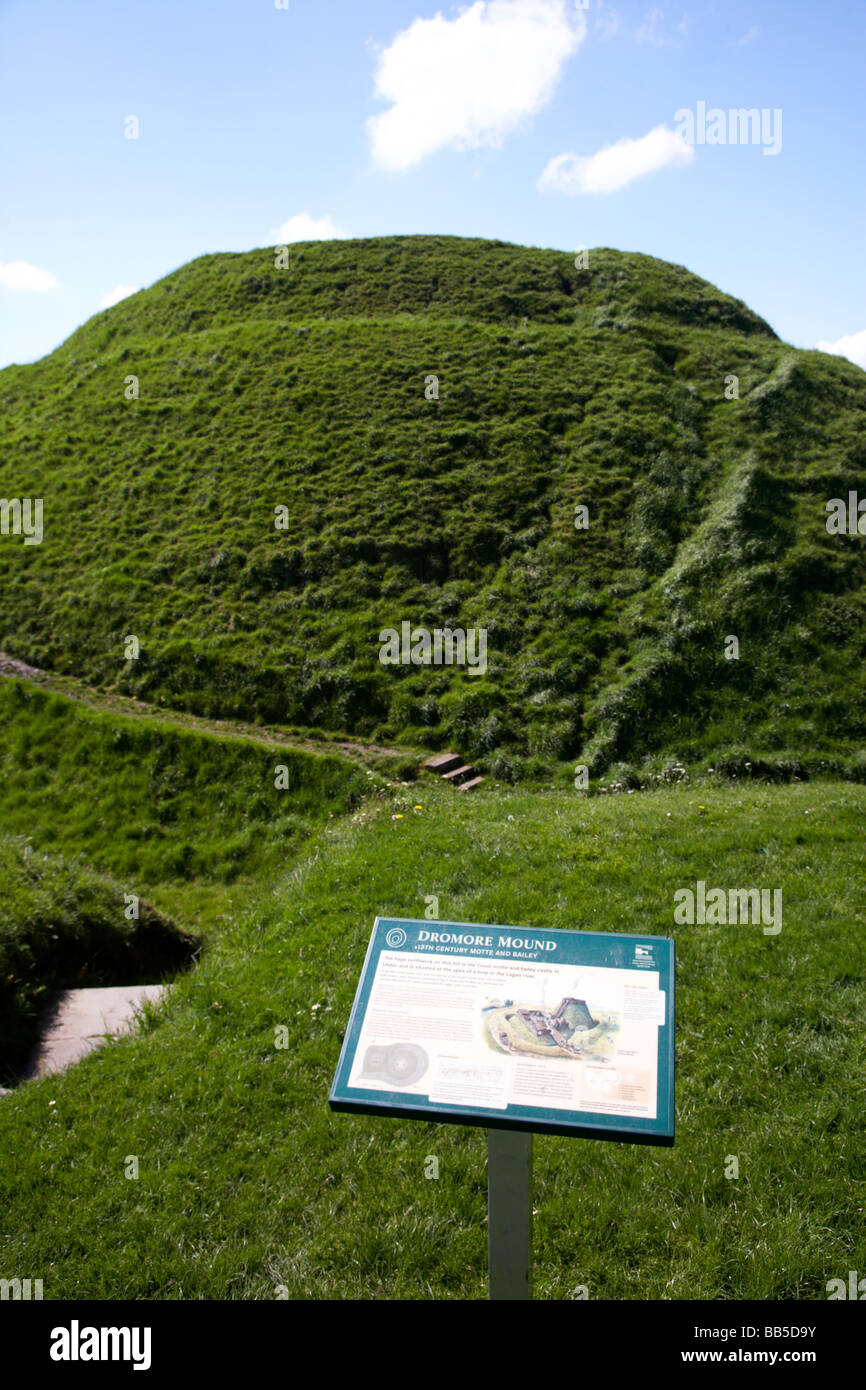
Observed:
{"x":248,"y":1185}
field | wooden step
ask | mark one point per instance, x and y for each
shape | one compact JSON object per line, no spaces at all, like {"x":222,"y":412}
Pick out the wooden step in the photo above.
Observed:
{"x":443,"y":762}
{"x":459,"y":772}
{"x":467,"y":786}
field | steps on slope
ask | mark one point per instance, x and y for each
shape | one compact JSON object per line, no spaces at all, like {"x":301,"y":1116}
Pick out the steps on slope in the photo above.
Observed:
{"x":451,"y":768}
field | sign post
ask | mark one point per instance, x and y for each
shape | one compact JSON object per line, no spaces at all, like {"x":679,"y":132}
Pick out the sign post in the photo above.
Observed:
{"x":509,"y":1213}
{"x":520,"y":1031}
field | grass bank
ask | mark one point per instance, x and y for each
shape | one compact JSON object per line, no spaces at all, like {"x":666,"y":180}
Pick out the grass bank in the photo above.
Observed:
{"x":154,"y":801}
{"x":62,"y":926}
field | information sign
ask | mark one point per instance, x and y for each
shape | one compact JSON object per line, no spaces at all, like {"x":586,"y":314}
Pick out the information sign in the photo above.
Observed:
{"x":563,"y":1032}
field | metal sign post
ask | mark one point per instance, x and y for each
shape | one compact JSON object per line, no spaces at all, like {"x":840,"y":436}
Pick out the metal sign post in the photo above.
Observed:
{"x":509,"y":1213}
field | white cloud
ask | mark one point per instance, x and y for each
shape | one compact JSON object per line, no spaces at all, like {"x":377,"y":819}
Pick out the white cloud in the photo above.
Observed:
{"x":617,"y":165}
{"x":748,"y":37}
{"x":20,"y":275}
{"x":114,"y":296}
{"x":466,"y":82}
{"x":852,"y":346}
{"x":303,"y":227}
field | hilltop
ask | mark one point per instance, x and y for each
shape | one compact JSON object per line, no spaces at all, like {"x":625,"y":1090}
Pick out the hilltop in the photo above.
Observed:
{"x":302,"y":388}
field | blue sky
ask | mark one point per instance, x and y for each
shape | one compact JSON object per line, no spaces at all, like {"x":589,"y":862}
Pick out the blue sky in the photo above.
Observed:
{"x":259,"y":124}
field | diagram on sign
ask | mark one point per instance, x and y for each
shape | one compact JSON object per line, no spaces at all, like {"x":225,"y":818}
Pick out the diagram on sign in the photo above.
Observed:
{"x":401,"y":1062}
{"x":568,"y":1031}
{"x":493,"y":1033}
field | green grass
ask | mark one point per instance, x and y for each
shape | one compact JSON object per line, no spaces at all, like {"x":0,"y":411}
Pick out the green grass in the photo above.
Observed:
{"x":304,"y":388}
{"x":248,"y":1182}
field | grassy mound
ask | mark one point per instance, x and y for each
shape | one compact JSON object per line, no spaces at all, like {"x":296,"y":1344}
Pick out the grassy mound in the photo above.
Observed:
{"x":303,"y":388}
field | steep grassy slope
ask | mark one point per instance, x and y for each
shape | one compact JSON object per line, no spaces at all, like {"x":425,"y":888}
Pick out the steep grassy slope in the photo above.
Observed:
{"x":304,"y":387}
{"x":156,"y":803}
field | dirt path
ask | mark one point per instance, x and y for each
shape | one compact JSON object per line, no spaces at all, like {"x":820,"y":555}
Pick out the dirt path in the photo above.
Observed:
{"x":9,"y":666}
{"x":73,"y":689}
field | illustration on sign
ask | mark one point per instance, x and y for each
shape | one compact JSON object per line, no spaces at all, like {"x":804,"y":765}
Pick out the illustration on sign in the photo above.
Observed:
{"x":565,"y":1031}
{"x":571,"y":1031}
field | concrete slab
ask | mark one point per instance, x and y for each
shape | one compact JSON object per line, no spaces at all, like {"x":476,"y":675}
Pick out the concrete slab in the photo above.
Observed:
{"x":80,"y":1020}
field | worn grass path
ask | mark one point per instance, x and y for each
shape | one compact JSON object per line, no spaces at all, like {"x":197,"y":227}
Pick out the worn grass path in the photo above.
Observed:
{"x":72,"y":688}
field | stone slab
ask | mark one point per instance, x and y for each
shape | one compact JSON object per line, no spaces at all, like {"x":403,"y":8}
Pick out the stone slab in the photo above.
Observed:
{"x":80,"y":1021}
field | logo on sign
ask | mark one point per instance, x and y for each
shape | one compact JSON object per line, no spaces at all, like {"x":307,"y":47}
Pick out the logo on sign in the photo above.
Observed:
{"x":396,"y":937}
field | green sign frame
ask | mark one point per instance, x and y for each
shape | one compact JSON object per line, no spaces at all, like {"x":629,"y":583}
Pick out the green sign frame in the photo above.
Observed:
{"x":431,"y":1035}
